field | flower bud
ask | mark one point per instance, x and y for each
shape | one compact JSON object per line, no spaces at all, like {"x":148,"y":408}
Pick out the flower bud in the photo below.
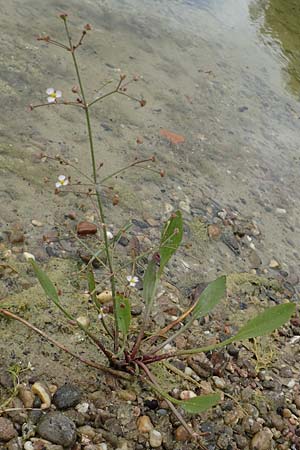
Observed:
{"x":87,"y":27}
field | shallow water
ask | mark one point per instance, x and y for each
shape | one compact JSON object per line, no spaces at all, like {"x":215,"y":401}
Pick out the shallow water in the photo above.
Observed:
{"x":224,"y":74}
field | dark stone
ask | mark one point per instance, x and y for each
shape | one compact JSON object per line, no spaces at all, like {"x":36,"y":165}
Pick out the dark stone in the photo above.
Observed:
{"x":140,"y":223}
{"x":67,"y":396}
{"x":34,"y":416}
{"x":123,"y":241}
{"x":58,"y":429}
{"x":151,"y":404}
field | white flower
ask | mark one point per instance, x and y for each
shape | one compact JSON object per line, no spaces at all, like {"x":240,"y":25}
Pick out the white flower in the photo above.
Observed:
{"x":62,"y":181}
{"x":132,"y":280}
{"x":53,"y":95}
{"x":28,"y":256}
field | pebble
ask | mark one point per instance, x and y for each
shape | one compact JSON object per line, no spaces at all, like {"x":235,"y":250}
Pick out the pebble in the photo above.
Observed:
{"x":37,"y":223}
{"x":262,"y":440}
{"x":286,"y":413}
{"x":88,"y":431}
{"x":26,"y":396}
{"x":7,"y":431}
{"x":186,"y":395}
{"x":255,"y":260}
{"x":84,"y":321}
{"x":67,"y":396}
{"x":42,"y":392}
{"x":155,"y":438}
{"x":219,"y":382}
{"x":58,"y":429}
{"x":185,"y":206}
{"x":181,"y":434}
{"x":128,"y":396}
{"x":213,"y":231}
{"x":105,"y":296}
{"x":297,"y":400}
{"x":85,"y":228}
{"x":280,"y":211}
{"x":273,"y":264}
{"x":144,"y":424}
{"x":16,"y":237}
{"x":82,"y":407}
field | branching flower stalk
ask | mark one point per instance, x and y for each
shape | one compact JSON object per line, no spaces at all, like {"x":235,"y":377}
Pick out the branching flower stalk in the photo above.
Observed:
{"x":95,"y":177}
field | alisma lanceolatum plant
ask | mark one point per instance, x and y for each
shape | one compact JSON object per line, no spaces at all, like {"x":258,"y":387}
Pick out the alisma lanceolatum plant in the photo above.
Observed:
{"x":131,"y":353}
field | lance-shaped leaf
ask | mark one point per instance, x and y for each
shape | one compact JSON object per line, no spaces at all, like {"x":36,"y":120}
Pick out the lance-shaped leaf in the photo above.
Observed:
{"x":150,"y":282}
{"x":92,"y":288}
{"x":123,"y":313}
{"x":170,"y":239}
{"x":200,"y":404}
{"x":266,"y":322}
{"x":210,"y":297}
{"x":45,"y":282}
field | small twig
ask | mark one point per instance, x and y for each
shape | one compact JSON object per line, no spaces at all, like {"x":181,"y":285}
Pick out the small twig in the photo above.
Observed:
{"x":135,"y":163}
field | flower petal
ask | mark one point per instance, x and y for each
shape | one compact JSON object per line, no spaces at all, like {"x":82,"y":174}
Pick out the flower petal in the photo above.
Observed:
{"x":58,"y":184}
{"x":49,"y":91}
{"x":65,"y":182}
{"x":28,"y":256}
{"x":62,"y":177}
{"x":51,"y":99}
{"x":58,"y":94}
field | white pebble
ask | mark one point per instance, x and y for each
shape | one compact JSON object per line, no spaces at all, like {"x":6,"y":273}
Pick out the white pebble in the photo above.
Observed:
{"x":82,"y":408}
{"x":155,"y":438}
{"x":103,"y":446}
{"x":188,"y":371}
{"x":280,"y":211}
{"x":186,"y":395}
{"x":28,"y":445}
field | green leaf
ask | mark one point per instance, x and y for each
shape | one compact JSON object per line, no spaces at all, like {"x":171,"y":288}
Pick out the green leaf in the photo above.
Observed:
{"x":150,"y":282}
{"x":92,"y":287}
{"x":199,"y":404}
{"x":45,"y":282}
{"x":210,"y":297}
{"x":123,"y":313}
{"x":266,"y":322}
{"x":170,"y":239}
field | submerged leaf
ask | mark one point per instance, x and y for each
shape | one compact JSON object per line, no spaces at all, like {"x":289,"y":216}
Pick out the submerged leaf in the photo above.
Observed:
{"x":45,"y":282}
{"x":123,"y":313}
{"x":170,"y":239}
{"x":199,"y":404}
{"x":92,"y":287}
{"x":210,"y":297}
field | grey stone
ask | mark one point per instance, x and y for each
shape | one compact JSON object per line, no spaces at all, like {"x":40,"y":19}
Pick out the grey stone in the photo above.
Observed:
{"x":262,"y":440}
{"x":66,"y":396}
{"x":58,"y":429}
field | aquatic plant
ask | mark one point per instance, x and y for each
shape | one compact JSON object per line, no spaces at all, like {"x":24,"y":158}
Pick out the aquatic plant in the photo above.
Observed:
{"x":131,"y":354}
